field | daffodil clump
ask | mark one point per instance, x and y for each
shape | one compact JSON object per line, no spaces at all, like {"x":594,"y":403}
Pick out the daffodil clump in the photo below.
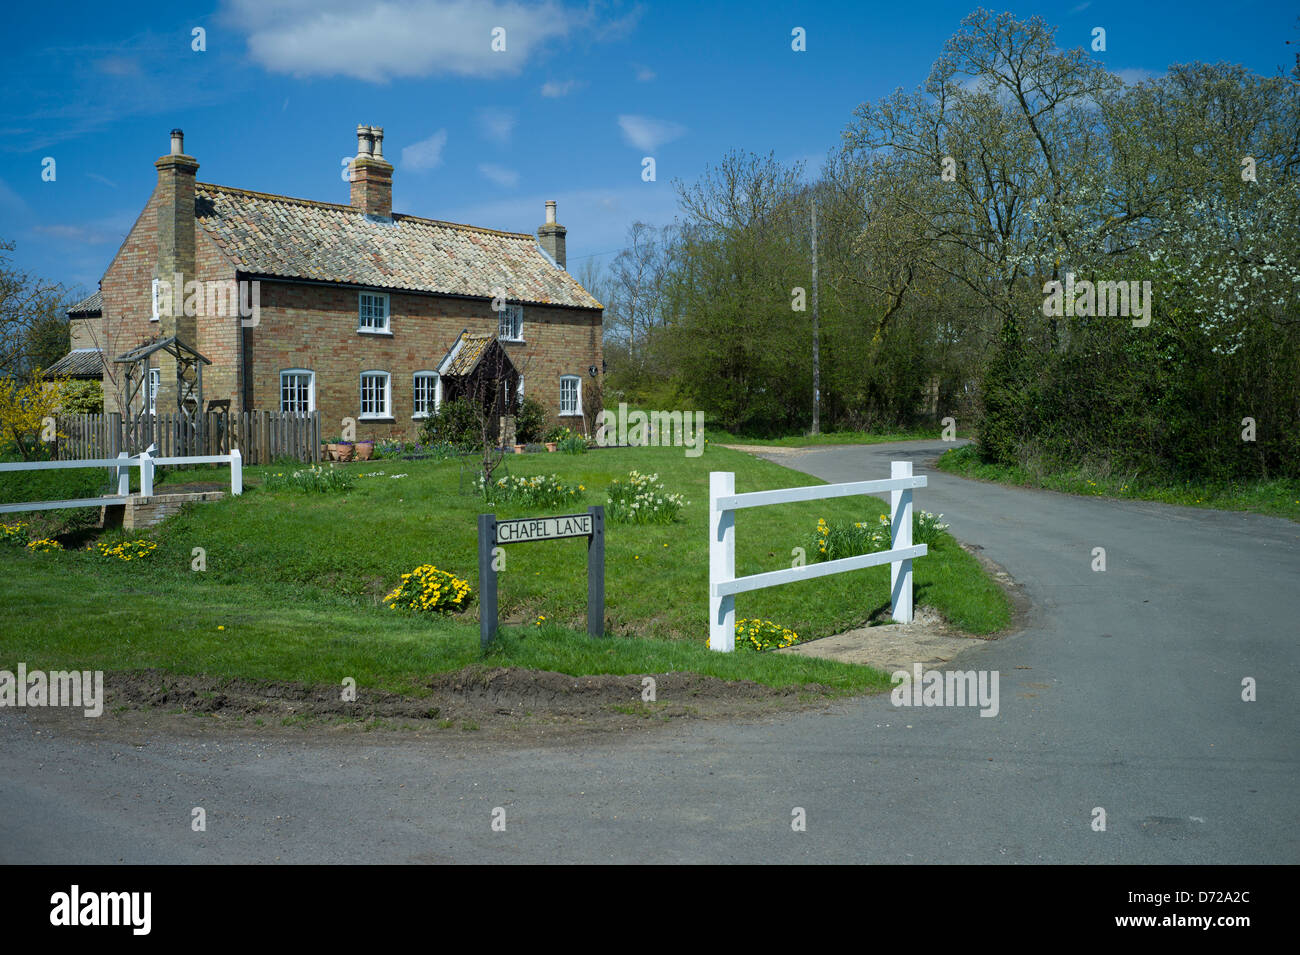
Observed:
{"x":641,"y":499}
{"x":15,"y":534}
{"x":840,"y":540}
{"x":427,"y":588}
{"x":541,"y":491}
{"x":313,"y":479}
{"x":44,"y":545}
{"x":758,"y":634}
{"x":125,"y":550}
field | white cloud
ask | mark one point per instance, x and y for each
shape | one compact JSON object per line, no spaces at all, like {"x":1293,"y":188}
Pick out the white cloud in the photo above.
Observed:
{"x":76,"y":233}
{"x":556,"y":88}
{"x":426,"y":154}
{"x":645,"y":132}
{"x":496,"y":124}
{"x":644,"y":74}
{"x":377,"y":40}
{"x":506,"y":178}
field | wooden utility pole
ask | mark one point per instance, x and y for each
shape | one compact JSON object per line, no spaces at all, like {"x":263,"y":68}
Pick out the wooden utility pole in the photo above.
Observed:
{"x":817,"y":375}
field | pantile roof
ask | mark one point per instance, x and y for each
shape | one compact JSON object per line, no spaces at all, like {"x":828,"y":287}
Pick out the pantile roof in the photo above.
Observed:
{"x":298,"y":238}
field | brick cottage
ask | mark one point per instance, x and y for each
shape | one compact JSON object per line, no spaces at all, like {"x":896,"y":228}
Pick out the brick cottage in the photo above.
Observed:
{"x":356,"y":307}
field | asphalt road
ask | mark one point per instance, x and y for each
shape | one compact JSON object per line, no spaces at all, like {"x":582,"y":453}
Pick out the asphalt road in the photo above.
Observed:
{"x":1124,"y":692}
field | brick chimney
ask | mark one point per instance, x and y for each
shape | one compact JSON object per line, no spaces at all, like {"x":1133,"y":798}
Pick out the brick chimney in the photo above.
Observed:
{"x":175,"y":264}
{"x":550,"y":235}
{"x":372,"y":174}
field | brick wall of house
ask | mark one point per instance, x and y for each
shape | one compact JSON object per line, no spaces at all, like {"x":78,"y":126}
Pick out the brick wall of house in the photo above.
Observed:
{"x":314,"y":327}
{"x":84,"y":332}
{"x":127,"y":289}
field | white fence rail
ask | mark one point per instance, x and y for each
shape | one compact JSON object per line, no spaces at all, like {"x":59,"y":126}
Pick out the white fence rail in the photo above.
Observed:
{"x":122,"y":465}
{"x":724,"y":584}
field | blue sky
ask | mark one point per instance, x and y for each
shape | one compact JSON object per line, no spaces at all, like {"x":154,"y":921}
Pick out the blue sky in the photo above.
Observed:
{"x":580,"y":95}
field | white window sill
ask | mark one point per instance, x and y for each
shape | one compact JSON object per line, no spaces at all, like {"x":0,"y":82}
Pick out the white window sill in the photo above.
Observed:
{"x":512,"y":341}
{"x":420,"y":416}
{"x":570,"y":414}
{"x":377,"y":417}
{"x":374,"y":331}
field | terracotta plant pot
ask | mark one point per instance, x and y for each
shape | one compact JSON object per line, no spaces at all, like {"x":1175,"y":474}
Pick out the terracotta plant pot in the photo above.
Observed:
{"x":519,"y":449}
{"x":341,"y":452}
{"x":550,"y":445}
{"x":362,"y":450}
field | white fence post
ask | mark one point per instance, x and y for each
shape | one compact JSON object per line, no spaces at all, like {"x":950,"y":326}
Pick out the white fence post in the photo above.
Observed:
{"x":900,"y":572}
{"x":236,"y":472}
{"x":146,"y":474}
{"x":124,"y":477}
{"x":722,"y":562}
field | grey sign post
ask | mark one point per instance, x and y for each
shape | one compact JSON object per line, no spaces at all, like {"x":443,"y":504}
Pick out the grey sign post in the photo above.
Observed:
{"x":493,"y":533}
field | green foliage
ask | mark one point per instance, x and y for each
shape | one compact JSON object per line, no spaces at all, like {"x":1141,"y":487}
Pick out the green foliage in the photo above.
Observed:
{"x":573,"y":444}
{"x":835,"y":540}
{"x":82,"y":397}
{"x":530,"y":423}
{"x":454,"y":423}
{"x":15,"y":534}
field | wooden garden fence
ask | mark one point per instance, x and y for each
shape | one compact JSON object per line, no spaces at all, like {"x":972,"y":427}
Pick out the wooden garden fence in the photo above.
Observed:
{"x":261,"y":436}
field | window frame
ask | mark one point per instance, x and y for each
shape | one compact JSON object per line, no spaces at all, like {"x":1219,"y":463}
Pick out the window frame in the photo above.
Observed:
{"x":387,"y":413}
{"x":364,"y":329}
{"x":311,"y":389}
{"x":154,"y":377}
{"x":512,"y":309}
{"x":436,"y":396}
{"x":577,"y":412}
{"x":156,"y":312}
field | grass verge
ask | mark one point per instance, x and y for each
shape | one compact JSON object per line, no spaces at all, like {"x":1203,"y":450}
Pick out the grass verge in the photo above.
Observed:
{"x":1277,"y":498}
{"x":293,"y":583}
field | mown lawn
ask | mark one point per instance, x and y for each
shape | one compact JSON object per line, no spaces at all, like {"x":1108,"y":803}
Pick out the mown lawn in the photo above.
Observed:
{"x":1279,"y":497}
{"x":293,"y":583}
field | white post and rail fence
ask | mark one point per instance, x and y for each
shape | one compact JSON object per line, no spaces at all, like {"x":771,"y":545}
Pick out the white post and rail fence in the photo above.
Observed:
{"x":122,"y":465}
{"x":724,"y":584}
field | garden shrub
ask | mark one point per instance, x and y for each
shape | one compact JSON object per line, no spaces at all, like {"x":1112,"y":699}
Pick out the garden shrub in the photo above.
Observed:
{"x":530,"y":423}
{"x":454,"y":423}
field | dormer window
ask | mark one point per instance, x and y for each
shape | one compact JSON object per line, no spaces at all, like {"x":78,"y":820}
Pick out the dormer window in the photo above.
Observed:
{"x":372,"y":312}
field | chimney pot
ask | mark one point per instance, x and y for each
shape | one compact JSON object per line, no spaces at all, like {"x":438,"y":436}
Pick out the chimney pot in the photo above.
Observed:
{"x":372,"y":174}
{"x":550,"y":235}
{"x":178,"y":142}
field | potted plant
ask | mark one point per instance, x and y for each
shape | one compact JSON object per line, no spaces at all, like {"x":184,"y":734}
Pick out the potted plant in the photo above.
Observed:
{"x":340,"y":450}
{"x":519,"y":449}
{"x":362,"y":450}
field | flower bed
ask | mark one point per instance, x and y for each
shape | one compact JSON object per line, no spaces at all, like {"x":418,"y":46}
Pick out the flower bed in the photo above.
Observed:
{"x":641,"y":499}
{"x":428,"y":589}
{"x":312,"y":479}
{"x":538,"y":491}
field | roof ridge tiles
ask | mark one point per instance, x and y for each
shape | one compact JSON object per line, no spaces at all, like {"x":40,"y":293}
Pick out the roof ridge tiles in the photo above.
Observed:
{"x":275,"y":197}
